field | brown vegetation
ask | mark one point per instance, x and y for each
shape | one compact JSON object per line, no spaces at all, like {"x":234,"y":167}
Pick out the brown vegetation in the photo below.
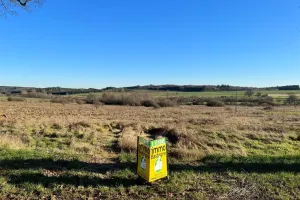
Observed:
{"x":16,"y":99}
{"x":192,"y":132}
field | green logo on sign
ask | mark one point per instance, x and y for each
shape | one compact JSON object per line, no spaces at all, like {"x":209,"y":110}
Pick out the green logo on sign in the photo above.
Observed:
{"x":158,"y":164}
{"x":158,"y":142}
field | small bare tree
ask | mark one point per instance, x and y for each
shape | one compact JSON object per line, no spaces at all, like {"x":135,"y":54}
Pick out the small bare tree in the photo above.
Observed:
{"x":292,"y":99}
{"x":7,"y":7}
{"x":249,"y":92}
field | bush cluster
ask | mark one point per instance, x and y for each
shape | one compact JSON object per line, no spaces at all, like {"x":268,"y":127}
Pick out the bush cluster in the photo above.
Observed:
{"x":66,"y":100}
{"x":138,"y":99}
{"x":16,"y":99}
{"x":37,"y":95}
{"x":215,"y":103}
{"x":109,"y":98}
{"x":221,"y":101}
{"x":131,"y":100}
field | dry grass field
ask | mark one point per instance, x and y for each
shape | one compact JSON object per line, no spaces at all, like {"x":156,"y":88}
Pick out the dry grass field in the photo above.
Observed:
{"x":55,"y":151}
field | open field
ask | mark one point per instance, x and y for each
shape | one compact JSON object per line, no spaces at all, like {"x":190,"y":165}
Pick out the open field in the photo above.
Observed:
{"x":55,"y":151}
{"x":273,"y":93}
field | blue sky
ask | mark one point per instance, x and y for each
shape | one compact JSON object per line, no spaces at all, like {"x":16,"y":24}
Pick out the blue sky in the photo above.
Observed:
{"x":138,"y":42}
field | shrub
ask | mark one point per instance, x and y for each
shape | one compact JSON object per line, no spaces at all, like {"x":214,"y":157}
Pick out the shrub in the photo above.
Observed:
{"x":91,"y":99}
{"x":249,"y":92}
{"x":98,"y":103}
{"x":131,"y":100}
{"x":172,"y":135}
{"x":292,"y":99}
{"x":16,"y":99}
{"x":111,"y":99}
{"x":127,"y":143}
{"x":150,"y":103}
{"x":258,"y":94}
{"x":265,"y":100}
{"x":135,"y":100}
{"x":62,"y":100}
{"x":79,"y":101}
{"x":198,"y":101}
{"x":167,"y":102}
{"x":214,"y":103}
{"x":249,"y":101}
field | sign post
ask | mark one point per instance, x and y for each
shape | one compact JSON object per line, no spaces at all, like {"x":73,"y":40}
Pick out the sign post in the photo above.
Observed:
{"x":152,"y":162}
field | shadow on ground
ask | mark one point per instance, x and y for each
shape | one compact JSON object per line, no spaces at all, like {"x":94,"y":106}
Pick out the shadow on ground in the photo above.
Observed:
{"x":74,"y":180}
{"x":208,"y":164}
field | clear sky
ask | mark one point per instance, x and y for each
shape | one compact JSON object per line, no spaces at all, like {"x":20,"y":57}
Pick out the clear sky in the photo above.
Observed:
{"x":138,"y":42}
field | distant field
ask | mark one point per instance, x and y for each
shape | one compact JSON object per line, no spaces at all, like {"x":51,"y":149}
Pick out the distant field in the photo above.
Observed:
{"x":273,"y":93}
{"x":278,"y":95}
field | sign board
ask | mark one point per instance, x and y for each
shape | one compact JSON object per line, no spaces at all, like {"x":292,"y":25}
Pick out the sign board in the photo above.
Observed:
{"x":152,"y":161}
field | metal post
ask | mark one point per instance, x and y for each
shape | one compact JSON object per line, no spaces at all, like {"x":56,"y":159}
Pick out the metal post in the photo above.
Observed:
{"x":236,"y":101}
{"x":137,"y":150}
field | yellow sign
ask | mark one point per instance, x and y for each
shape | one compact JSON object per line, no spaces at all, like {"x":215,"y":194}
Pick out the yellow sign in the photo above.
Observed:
{"x":152,"y":161}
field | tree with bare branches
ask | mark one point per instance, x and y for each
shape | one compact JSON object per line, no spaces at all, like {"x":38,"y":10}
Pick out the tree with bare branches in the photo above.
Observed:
{"x":292,"y":99}
{"x":249,"y":92}
{"x":7,"y":7}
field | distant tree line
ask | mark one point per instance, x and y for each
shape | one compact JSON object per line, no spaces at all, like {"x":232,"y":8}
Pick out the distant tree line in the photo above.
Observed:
{"x":68,"y":91}
{"x":199,"y":88}
{"x":289,"y":87}
{"x":182,"y":88}
{"x":8,"y":90}
{"x":286,"y":87}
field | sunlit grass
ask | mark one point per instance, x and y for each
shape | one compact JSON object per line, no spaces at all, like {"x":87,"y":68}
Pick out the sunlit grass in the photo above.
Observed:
{"x":79,"y":151}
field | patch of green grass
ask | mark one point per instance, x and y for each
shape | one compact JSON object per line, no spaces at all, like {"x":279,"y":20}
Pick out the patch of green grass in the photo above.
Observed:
{"x":263,"y":146}
{"x":280,"y":185}
{"x":125,"y":157}
{"x":279,"y":96}
{"x":38,"y":174}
